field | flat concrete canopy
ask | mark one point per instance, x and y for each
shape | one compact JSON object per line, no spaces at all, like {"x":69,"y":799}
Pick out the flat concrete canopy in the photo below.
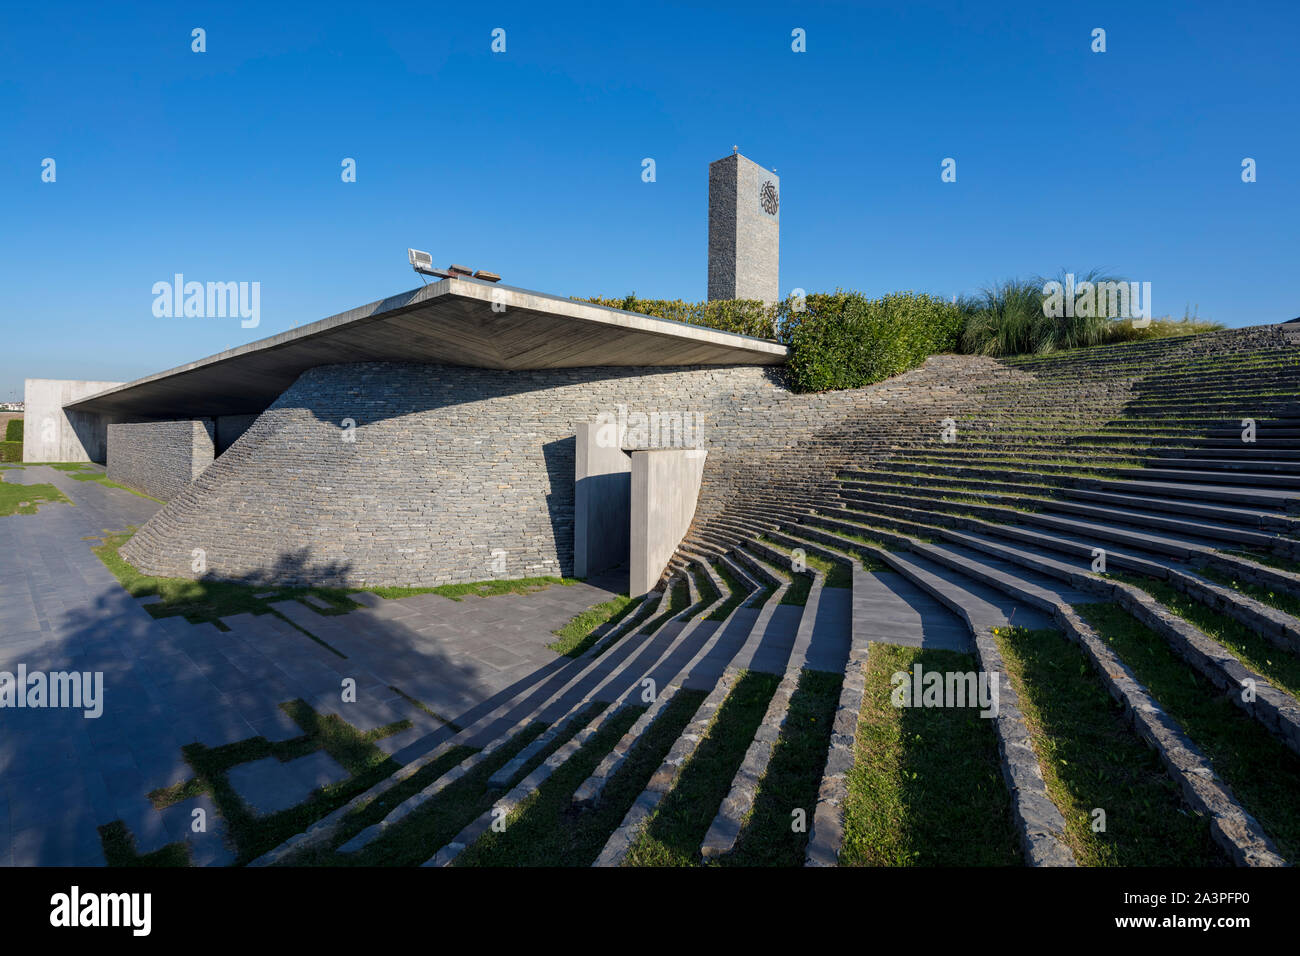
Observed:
{"x":449,"y":322}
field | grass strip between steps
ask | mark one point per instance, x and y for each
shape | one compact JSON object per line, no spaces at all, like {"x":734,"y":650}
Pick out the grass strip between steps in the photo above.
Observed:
{"x":770,"y":836}
{"x":119,"y":849}
{"x":375,"y":810}
{"x":673,"y":834}
{"x":926,"y":786}
{"x":1278,"y":666}
{"x":540,"y":831}
{"x":679,"y":600}
{"x":1260,"y":556}
{"x":549,"y":831}
{"x":580,"y":632}
{"x":428,"y":829}
{"x":1278,"y":600}
{"x":736,"y":593}
{"x":1262,"y":772}
{"x":866,"y":559}
{"x":704,"y":584}
{"x":836,"y":575}
{"x":1092,"y":760}
{"x":796,"y":593}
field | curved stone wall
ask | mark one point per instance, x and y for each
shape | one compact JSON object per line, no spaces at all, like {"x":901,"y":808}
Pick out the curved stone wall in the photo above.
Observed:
{"x":449,"y":474}
{"x":457,"y":474}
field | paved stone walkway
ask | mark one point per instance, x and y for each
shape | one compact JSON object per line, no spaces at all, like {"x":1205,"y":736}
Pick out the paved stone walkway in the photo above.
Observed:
{"x":168,"y":683}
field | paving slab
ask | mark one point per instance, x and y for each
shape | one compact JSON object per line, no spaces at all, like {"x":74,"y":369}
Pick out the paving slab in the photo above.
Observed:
{"x":268,"y":786}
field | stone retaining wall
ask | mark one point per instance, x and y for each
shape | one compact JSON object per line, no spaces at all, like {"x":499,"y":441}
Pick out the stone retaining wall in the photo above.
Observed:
{"x":456,"y":474}
{"x":159,"y":458}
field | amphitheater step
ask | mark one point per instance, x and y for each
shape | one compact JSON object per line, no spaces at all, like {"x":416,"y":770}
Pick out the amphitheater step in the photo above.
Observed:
{"x":1265,"y":497}
{"x":721,"y":837}
{"x":1227,"y":464}
{"x":629,"y":830}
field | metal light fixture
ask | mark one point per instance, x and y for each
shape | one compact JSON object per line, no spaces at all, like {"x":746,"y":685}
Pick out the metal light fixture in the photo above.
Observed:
{"x":422,"y":263}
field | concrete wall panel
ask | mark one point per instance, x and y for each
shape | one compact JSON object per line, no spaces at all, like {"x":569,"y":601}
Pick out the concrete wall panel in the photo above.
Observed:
{"x":602,"y":497}
{"x":50,"y":433}
{"x":665,"y":490}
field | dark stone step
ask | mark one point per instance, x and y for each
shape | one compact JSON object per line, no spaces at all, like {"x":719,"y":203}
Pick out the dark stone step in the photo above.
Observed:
{"x":1227,"y":463}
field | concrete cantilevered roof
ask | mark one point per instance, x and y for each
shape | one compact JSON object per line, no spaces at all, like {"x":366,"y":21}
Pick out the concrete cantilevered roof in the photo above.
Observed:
{"x":449,"y":322}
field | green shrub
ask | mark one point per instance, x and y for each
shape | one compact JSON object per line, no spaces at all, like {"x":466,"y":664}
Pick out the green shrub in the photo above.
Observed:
{"x":845,"y":340}
{"x":14,"y":430}
{"x":11,"y":451}
{"x":743,"y":316}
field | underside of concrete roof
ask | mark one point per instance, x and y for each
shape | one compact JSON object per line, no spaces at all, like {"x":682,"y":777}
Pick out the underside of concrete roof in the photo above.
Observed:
{"x":450,"y":322}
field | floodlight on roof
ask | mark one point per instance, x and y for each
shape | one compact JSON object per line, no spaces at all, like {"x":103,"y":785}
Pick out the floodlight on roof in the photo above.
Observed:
{"x":460,"y":270}
{"x":487,"y":276}
{"x":422,"y":262}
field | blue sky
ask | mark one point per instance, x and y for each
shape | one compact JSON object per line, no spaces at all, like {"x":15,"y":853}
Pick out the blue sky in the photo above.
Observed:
{"x":225,"y":165}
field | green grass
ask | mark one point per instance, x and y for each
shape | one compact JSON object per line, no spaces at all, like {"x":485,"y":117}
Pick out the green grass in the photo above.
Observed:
{"x":866,"y":559}
{"x":426,"y":830}
{"x":492,"y":588}
{"x":254,"y":835}
{"x":1279,"y":600}
{"x":1262,"y":772}
{"x":549,"y":831}
{"x":834,"y":574}
{"x":926,"y":785}
{"x":735,"y":594}
{"x":799,"y":586}
{"x":416,"y":702}
{"x":84,"y":471}
{"x":25,"y":499}
{"x":679,"y":600}
{"x":372,"y":811}
{"x":860,"y":536}
{"x":1011,"y":319}
{"x":208,"y":600}
{"x":544,"y":829}
{"x":1276,"y":665}
{"x":119,"y":849}
{"x":884,"y":520}
{"x":792,"y":779}
{"x":673,"y":833}
{"x":1269,"y":559}
{"x":1091,"y":758}
{"x":102,"y":479}
{"x":704,"y":584}
{"x":581,"y":631}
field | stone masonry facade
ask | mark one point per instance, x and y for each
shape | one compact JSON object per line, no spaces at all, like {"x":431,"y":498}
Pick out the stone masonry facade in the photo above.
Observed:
{"x":160,"y":458}
{"x":744,"y":230}
{"x":450,"y":474}
{"x":455,"y":474}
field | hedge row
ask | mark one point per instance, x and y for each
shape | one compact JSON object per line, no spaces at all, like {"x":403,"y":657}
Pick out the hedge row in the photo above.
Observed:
{"x":836,"y":340}
{"x":14,"y":430}
{"x":11,"y":451}
{"x":845,"y":340}
{"x":743,"y":316}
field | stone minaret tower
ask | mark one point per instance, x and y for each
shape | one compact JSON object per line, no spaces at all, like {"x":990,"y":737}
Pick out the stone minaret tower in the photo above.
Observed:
{"x":744,"y":230}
